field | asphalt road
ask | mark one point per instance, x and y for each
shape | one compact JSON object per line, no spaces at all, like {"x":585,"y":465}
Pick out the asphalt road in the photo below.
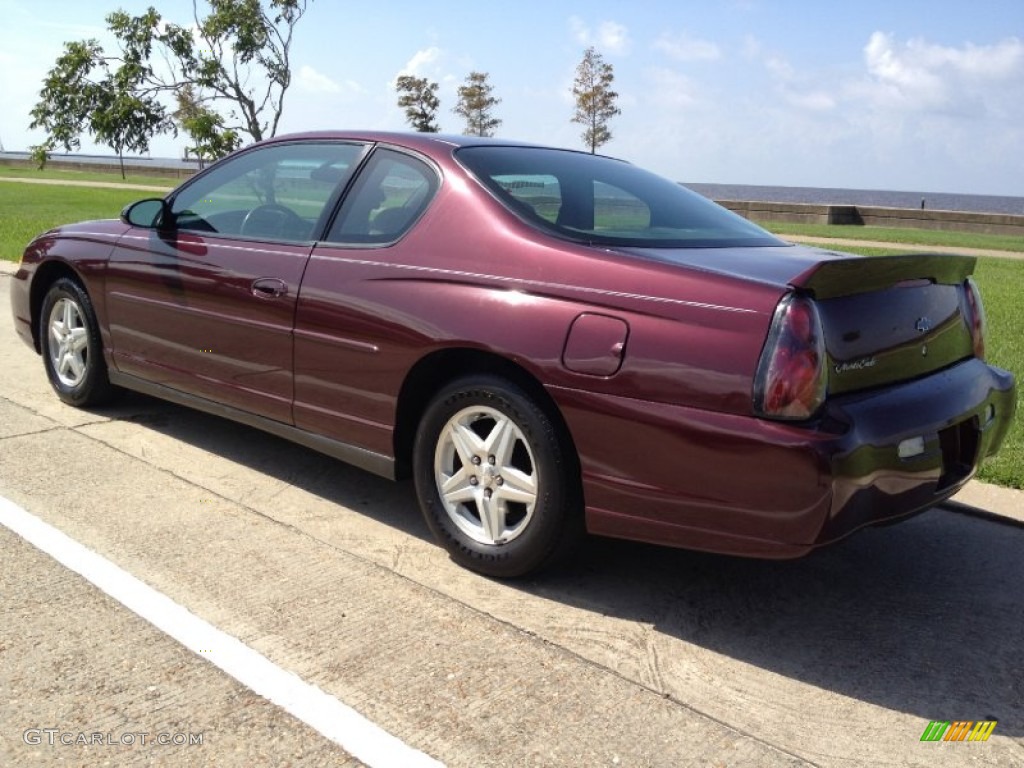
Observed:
{"x":629,"y":656}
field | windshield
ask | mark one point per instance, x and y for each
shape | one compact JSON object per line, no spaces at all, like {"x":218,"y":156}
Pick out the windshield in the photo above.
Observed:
{"x":601,"y":201}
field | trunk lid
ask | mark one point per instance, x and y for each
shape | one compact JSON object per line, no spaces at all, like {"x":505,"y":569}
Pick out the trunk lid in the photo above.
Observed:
{"x":890,"y":318}
{"x":885,"y":318}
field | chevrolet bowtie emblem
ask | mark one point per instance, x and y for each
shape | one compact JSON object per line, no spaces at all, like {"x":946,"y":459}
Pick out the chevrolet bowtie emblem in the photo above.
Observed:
{"x":923,"y":325}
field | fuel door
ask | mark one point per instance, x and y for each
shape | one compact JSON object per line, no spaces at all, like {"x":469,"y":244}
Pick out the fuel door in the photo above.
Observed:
{"x":595,"y":344}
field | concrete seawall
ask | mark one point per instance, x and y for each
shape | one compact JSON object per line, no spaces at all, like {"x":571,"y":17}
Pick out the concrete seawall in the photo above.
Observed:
{"x":960,"y":221}
{"x":131,"y":165}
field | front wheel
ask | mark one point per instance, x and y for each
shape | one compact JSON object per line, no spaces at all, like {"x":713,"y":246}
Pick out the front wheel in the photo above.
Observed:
{"x":71,"y":346}
{"x":496,"y":480}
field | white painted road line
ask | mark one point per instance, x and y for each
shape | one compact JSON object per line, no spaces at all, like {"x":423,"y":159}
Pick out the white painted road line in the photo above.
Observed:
{"x":337,"y":721}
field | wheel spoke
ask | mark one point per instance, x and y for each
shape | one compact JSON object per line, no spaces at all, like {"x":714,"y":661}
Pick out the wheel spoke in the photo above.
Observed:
{"x":64,"y":368}
{"x":465,"y":440}
{"x":79,"y":340}
{"x":517,"y":486}
{"x":57,"y":329}
{"x":501,"y":441}
{"x":69,"y":315}
{"x":76,"y":364}
{"x":457,"y":488}
{"x":492,"y":517}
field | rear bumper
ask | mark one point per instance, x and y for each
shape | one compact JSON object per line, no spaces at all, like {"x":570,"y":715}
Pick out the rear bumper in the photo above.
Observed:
{"x":740,"y":485}
{"x":956,"y":418}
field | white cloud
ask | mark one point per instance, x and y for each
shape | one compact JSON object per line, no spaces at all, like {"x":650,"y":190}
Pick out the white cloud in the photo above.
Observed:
{"x":798,"y":89}
{"x":613,"y":37}
{"x":579,"y":29}
{"x":779,"y":66}
{"x":311,"y":80}
{"x":751,"y":47}
{"x":921,"y":76}
{"x":672,"y":89}
{"x":815,"y":101}
{"x":610,"y":36}
{"x":421,"y":61}
{"x":683,"y":47}
{"x":904,"y":62}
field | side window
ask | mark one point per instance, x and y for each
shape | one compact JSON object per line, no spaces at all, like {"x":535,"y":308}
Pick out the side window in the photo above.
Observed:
{"x":619,"y":211}
{"x":277,"y":192}
{"x":388,"y":196}
{"x":580,"y":204}
{"x":538,"y":194}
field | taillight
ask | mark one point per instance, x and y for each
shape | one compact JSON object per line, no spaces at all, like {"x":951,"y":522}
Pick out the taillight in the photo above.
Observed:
{"x":791,"y":377}
{"x":975,"y":317}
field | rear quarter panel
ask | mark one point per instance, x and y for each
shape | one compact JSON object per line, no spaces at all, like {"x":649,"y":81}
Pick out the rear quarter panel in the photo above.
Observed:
{"x":472,"y":275}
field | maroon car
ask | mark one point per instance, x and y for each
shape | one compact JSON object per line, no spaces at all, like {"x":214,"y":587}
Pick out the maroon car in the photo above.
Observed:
{"x":547,"y":341}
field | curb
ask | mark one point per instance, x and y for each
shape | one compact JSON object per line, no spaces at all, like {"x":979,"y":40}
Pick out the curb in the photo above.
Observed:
{"x":990,"y":501}
{"x":960,"y":508}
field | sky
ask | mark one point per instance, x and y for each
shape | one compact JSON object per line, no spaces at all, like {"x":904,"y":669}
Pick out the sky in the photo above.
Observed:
{"x":874,"y":94}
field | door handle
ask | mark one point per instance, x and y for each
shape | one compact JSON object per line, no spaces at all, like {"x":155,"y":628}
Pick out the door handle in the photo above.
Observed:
{"x":269,"y":287}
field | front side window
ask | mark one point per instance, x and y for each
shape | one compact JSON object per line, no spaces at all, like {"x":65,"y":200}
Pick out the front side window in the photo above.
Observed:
{"x":277,"y":192}
{"x":387,"y":198}
{"x":601,"y":201}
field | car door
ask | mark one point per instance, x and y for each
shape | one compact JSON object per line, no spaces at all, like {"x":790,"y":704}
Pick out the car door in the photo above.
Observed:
{"x":352,"y":341}
{"x":204,"y":303}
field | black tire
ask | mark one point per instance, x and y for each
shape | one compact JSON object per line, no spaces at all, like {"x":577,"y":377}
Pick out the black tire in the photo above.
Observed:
{"x":69,"y":338}
{"x":535,"y":460}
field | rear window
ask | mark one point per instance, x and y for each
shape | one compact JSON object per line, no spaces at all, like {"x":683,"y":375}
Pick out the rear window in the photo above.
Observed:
{"x":601,"y":201}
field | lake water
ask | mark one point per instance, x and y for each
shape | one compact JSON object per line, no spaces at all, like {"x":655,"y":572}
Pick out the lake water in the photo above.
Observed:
{"x":824,"y":196}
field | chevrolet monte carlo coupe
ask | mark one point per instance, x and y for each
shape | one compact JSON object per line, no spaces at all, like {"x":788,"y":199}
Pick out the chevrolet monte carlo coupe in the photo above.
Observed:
{"x":548,"y":342}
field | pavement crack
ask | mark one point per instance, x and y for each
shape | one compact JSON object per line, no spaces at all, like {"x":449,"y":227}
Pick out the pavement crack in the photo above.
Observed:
{"x":653,"y":662}
{"x":32,"y":433}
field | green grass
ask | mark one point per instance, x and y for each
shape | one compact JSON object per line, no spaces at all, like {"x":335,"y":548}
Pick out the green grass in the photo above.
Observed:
{"x":1001,"y":282}
{"x":26,"y":210}
{"x":112,"y":177}
{"x":898,"y":235}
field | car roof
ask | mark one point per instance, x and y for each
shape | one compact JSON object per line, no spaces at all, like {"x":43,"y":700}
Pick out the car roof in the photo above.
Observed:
{"x":413,"y":140}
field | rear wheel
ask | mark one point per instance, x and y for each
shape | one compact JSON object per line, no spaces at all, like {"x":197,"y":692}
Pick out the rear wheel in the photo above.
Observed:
{"x":71,"y":346}
{"x":494,"y":479}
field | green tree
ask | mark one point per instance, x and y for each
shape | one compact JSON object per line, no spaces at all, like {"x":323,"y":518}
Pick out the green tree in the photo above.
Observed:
{"x":595,"y":99}
{"x":84,"y":93}
{"x":210,"y":139}
{"x":476,"y":102}
{"x":418,"y":97}
{"x":236,"y":57}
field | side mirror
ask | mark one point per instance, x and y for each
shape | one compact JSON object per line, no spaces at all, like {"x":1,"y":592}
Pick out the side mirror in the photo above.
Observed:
{"x":148,"y":214}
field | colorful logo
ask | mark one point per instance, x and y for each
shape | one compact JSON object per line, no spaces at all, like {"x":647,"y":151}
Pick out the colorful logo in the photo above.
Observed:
{"x":958,"y":730}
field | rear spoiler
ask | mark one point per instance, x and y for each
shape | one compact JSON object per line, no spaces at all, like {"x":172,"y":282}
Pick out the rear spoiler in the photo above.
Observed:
{"x":862,"y":274}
